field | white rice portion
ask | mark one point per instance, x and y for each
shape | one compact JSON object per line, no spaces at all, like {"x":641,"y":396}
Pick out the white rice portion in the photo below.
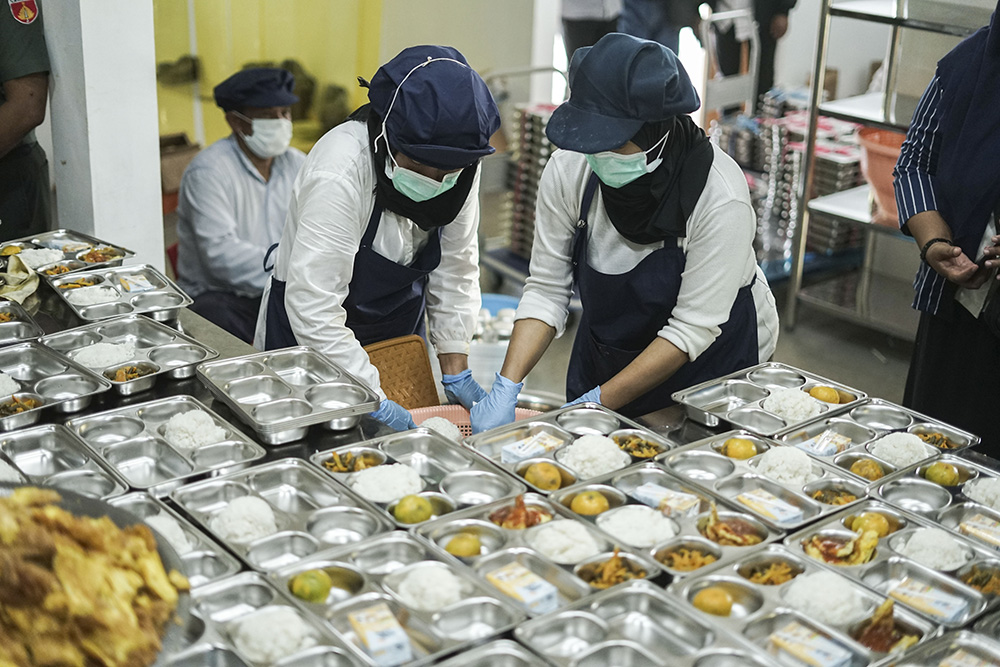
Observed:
{"x":430,"y":588}
{"x":899,"y":449}
{"x":271,"y":633}
{"x":90,"y":296}
{"x":171,"y":531}
{"x":985,"y":490}
{"x":8,"y":385}
{"x":9,"y":473}
{"x":788,"y":466}
{"x":637,"y":525}
{"x":443,"y":427}
{"x":593,"y":455}
{"x":564,"y":541}
{"x":793,"y":405}
{"x":934,"y":548}
{"x":244,"y":520}
{"x":193,"y":429}
{"x":36,"y":257}
{"x":826,"y":597}
{"x":387,"y":484}
{"x":102,"y":355}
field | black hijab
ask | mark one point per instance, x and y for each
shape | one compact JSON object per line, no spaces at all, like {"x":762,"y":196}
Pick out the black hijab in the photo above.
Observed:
{"x":656,"y":206}
{"x":427,"y":215}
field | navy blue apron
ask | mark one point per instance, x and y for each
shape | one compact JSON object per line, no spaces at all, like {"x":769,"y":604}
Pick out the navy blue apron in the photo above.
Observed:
{"x":622,"y":315}
{"x":384,"y":300}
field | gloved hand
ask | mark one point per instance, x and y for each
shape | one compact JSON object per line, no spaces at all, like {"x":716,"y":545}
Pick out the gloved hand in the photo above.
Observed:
{"x":462,"y":389}
{"x":497,"y":408}
{"x":394,"y":415}
{"x":592,"y":396}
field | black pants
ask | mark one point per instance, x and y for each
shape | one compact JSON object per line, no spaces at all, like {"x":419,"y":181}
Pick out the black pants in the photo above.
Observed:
{"x":727,"y":51}
{"x":25,"y":195}
{"x":954,"y":375}
{"x":235,"y":314}
{"x":585,"y":33}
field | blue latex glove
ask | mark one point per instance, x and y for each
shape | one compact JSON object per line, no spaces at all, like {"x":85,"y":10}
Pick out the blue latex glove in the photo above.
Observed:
{"x":497,"y":408}
{"x":592,"y":396}
{"x":394,"y":415}
{"x":462,"y":389}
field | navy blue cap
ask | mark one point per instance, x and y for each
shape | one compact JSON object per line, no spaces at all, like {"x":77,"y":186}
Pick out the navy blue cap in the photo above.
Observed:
{"x":616,"y":86}
{"x":443,"y":115}
{"x":260,"y":87}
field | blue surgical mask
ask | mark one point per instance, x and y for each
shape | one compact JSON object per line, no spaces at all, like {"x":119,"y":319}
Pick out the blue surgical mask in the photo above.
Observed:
{"x":617,"y":170}
{"x":418,"y":187}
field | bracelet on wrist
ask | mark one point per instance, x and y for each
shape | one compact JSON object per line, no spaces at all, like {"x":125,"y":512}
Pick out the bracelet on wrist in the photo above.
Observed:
{"x":927,"y":246}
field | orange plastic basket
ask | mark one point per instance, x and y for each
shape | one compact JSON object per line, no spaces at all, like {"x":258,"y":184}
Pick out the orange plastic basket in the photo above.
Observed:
{"x":459,"y":416}
{"x":879,"y":152}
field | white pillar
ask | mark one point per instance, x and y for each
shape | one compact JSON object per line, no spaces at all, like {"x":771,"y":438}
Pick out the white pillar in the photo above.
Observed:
{"x":104,"y":122}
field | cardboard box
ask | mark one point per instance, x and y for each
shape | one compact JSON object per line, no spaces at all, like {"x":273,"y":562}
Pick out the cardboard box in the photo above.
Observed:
{"x":176,"y":151}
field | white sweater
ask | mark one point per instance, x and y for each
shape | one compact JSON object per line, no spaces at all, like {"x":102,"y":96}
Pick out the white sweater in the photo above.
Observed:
{"x":718,"y":249}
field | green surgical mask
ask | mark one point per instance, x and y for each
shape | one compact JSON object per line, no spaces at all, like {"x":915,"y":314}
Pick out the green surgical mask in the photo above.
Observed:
{"x":617,"y":170}
{"x":418,"y":187}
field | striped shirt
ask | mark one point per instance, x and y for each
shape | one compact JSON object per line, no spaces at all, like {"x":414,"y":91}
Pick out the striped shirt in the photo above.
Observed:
{"x":915,"y":186}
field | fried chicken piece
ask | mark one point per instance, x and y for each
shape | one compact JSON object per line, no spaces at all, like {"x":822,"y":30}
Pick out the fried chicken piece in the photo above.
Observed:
{"x":23,"y":583}
{"x":882,"y":635}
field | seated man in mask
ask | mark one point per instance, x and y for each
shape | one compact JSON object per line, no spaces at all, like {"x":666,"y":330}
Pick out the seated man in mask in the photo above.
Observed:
{"x":234,"y":197}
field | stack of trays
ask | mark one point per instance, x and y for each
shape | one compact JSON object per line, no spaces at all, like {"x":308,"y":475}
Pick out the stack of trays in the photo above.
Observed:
{"x":206,"y":561}
{"x":516,"y":553}
{"x":530,"y":152}
{"x":370,"y":575}
{"x":779,"y":506}
{"x":559,"y":429}
{"x":954,"y":604}
{"x":827,"y":236}
{"x":760,"y":610}
{"x":51,"y":455}
{"x":159,"y":350}
{"x":957,"y":648}
{"x":310,"y":511}
{"x":133,"y":440}
{"x":280,"y":394}
{"x":690,"y":512}
{"x":79,"y":251}
{"x":47,"y":380}
{"x":453,"y":477}
{"x":635,"y":624}
{"x":738,"y":398}
{"x":16,"y":325}
{"x":122,"y":290}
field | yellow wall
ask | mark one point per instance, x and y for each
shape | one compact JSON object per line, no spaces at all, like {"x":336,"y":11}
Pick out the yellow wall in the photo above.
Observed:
{"x":335,"y":40}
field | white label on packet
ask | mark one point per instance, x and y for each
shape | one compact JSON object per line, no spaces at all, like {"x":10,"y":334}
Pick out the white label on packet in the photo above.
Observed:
{"x":540,"y":443}
{"x":136,"y":283}
{"x":384,"y":639}
{"x":962,"y":658}
{"x":518,"y":582}
{"x":671,"y":503}
{"x":929,"y":600}
{"x":770,"y":506}
{"x":809,"y":647}
{"x":983,"y":528}
{"x":826,"y":443}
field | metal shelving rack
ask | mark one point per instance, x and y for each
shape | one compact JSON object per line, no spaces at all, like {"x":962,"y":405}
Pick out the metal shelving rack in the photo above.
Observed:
{"x":875,"y":301}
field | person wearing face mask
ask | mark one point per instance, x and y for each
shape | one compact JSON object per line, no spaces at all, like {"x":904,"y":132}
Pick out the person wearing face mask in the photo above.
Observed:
{"x":654,"y":225}
{"x":383,"y":225}
{"x":234,"y":198}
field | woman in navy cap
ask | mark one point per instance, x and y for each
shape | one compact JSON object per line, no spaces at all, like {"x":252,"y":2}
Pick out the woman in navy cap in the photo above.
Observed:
{"x":383,"y":222}
{"x":653,"y":223}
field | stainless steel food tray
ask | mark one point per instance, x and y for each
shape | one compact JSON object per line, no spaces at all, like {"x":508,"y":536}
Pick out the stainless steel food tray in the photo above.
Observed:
{"x":909,"y":489}
{"x":163,"y":351}
{"x":206,"y":562}
{"x":55,"y":382}
{"x":371,"y":572}
{"x":703,"y":464}
{"x":636,"y":624}
{"x":133,"y":441}
{"x":501,"y":546}
{"x":620,"y":488}
{"x":989,"y":625}
{"x":280,"y":394}
{"x":497,"y":653}
{"x":454,"y":477}
{"x":73,"y":246}
{"x":223,"y":605}
{"x":21,"y":327}
{"x":312,"y":512}
{"x":759,"y":610}
{"x":565,"y":424}
{"x":737,"y":398}
{"x":976,"y":645}
{"x":52,"y":455}
{"x":888,"y":567}
{"x":131,"y":289}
